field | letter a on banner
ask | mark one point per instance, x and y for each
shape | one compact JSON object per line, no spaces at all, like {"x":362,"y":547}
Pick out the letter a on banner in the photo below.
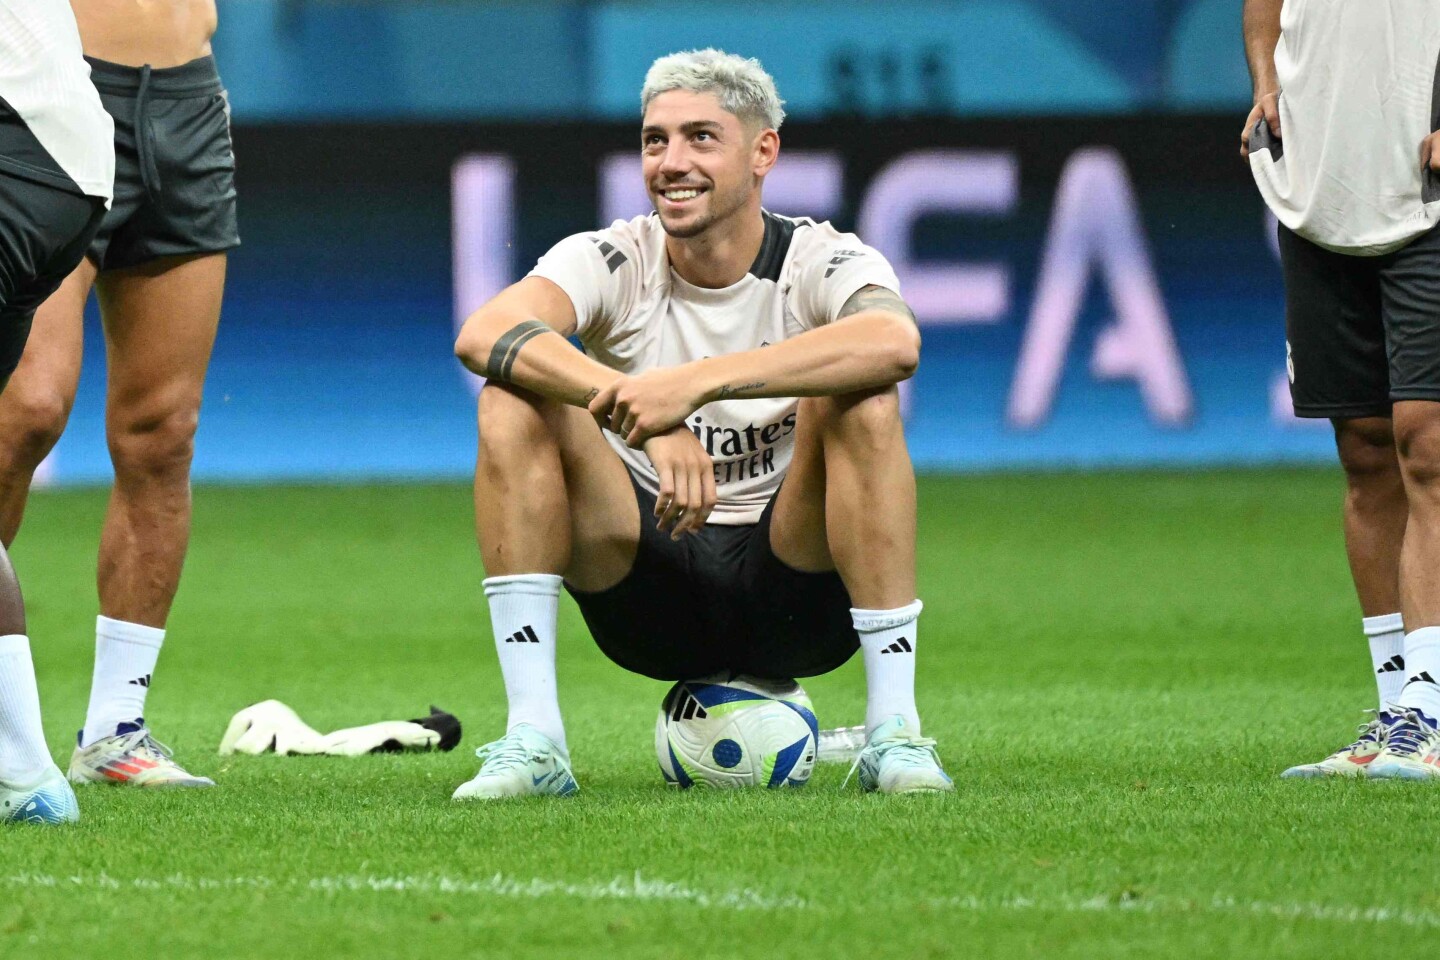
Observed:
{"x":1096,"y":227}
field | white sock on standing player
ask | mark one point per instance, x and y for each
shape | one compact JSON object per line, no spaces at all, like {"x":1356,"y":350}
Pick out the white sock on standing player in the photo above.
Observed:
{"x":23,"y":754}
{"x":125,"y":657}
{"x":1387,"y":655}
{"x":1422,"y":670}
{"x":888,"y":641}
{"x":523,"y":610}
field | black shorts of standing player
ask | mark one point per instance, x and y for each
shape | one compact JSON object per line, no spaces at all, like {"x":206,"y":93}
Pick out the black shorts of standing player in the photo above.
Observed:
{"x":174,"y":167}
{"x":1361,"y":332}
{"x":46,"y":224}
{"x":719,"y":601}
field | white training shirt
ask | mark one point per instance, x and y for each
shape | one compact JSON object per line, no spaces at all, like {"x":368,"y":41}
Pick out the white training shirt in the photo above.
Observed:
{"x":1359,"y":92}
{"x":45,"y":79}
{"x":635,"y":314}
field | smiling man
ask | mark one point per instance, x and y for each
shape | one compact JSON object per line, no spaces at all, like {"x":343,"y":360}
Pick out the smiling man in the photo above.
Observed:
{"x":727,"y":349}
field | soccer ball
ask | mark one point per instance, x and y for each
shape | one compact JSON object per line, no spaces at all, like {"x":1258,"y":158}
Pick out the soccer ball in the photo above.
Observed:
{"x":740,"y":732}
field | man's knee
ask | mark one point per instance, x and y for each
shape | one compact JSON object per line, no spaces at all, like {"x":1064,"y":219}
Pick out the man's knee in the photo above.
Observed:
{"x":868,"y":420}
{"x":1417,"y":443}
{"x":1367,"y":451}
{"x":154,"y":445}
{"x":511,"y":420}
{"x":31,"y":424}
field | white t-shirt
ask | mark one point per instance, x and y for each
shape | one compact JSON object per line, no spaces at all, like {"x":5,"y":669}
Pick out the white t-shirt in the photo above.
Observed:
{"x":1359,"y":92}
{"x":45,"y":79}
{"x":635,"y":314}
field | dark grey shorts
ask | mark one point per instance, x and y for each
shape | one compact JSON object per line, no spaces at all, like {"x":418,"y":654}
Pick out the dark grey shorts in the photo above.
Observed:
{"x":719,"y":601}
{"x":1361,"y":332}
{"x":46,"y":223}
{"x":174,"y":168}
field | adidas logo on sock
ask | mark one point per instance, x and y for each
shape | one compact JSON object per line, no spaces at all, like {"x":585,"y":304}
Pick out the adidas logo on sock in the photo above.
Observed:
{"x":526,"y":635}
{"x":899,"y":646}
{"x":1422,"y":677}
{"x":1394,"y":665}
{"x":141,"y":681}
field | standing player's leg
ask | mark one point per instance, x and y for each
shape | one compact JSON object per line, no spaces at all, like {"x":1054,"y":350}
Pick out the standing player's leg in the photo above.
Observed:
{"x":1336,"y":339}
{"x":1410,"y":280}
{"x":552,"y":501}
{"x":43,"y":235}
{"x":848,"y":504}
{"x":160,"y":321}
{"x":1375,"y":515}
{"x":37,"y":401}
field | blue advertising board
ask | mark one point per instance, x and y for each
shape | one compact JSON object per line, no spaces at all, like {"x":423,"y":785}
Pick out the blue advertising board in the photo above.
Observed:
{"x":1091,"y":292}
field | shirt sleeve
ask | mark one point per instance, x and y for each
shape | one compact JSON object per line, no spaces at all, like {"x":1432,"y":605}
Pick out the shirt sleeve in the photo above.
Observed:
{"x":600,"y":274}
{"x":832,"y":270}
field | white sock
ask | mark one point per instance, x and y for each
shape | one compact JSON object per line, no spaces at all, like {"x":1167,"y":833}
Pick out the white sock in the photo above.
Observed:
{"x":23,"y":754}
{"x":125,"y":655}
{"x":1387,"y":655}
{"x":523,"y":610}
{"x":888,"y":640}
{"x":1422,"y":667}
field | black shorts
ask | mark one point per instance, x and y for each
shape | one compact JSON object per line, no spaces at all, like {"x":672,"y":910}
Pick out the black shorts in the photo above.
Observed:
{"x":1361,"y":332}
{"x":45,"y":228}
{"x":174,"y":169}
{"x":719,"y":601}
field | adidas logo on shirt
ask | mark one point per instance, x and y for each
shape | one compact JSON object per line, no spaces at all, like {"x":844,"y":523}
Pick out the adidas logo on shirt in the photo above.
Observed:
{"x":140,"y":681}
{"x":899,"y":646}
{"x":1394,"y":665}
{"x":527,"y":635}
{"x":1422,"y":677}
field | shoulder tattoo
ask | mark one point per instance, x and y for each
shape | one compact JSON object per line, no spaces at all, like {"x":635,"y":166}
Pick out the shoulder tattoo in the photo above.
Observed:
{"x":872,"y":297}
{"x":507,"y":348}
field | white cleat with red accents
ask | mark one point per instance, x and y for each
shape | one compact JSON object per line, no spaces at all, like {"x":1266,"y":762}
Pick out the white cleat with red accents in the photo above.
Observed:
{"x":131,"y":758}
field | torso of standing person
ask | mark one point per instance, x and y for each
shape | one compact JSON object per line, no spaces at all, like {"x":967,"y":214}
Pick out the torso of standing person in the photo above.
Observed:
{"x":161,"y":33}
{"x":1359,"y":91}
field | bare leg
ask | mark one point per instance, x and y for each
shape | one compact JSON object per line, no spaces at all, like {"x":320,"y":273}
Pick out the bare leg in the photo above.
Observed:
{"x":160,"y":323}
{"x":551,"y":498}
{"x":36,"y":403}
{"x":1417,"y":436}
{"x":852,"y":469}
{"x":1375,"y":511}
{"x":550,"y":494}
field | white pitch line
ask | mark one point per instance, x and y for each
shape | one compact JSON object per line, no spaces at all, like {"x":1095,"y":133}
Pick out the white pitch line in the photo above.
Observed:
{"x":639,"y":888}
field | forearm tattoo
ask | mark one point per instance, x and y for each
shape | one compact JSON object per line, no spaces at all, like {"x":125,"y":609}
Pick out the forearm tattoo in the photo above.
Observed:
{"x":729,"y":392}
{"x":507,"y":348}
{"x":872,"y":297}
{"x":591,"y":395}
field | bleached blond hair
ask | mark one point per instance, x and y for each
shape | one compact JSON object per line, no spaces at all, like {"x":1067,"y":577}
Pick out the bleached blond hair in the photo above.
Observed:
{"x":740,"y":83}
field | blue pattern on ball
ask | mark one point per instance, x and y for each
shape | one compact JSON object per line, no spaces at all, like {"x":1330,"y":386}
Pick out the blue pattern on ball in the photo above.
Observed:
{"x":727,"y":753}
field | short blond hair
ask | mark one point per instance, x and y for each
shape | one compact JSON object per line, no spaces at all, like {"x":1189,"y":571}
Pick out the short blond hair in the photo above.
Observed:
{"x":740,"y":83}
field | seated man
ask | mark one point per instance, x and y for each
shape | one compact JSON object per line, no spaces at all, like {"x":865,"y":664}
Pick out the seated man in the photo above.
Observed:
{"x":703,"y":324}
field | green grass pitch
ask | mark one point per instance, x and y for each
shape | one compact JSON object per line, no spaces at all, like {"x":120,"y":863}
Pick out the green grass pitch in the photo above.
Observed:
{"x":1116,"y":668}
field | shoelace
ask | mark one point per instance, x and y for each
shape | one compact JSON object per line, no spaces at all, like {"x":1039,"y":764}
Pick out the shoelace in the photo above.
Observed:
{"x":142,"y":740}
{"x":1371,"y":731}
{"x":1410,"y":736}
{"x":505,"y":752}
{"x":919,"y":752}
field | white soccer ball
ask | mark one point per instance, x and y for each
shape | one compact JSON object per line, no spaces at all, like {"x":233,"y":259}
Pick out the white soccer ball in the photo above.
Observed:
{"x":740,"y":732}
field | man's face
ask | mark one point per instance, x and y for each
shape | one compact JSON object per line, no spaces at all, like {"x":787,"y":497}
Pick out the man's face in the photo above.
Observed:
{"x":699,"y":161}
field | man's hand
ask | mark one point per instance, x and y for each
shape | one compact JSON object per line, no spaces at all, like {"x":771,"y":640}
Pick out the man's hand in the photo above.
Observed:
{"x":1430,"y":154}
{"x":640,"y":407}
{"x":687,"y":481}
{"x":1268,"y":108}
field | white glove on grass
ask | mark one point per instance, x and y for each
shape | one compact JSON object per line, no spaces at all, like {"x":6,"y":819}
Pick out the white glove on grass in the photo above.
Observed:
{"x":266,"y":726}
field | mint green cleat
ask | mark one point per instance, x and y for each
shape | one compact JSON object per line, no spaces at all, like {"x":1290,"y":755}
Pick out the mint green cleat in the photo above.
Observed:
{"x":523,"y":763}
{"x":49,"y":800}
{"x":897,"y":760}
